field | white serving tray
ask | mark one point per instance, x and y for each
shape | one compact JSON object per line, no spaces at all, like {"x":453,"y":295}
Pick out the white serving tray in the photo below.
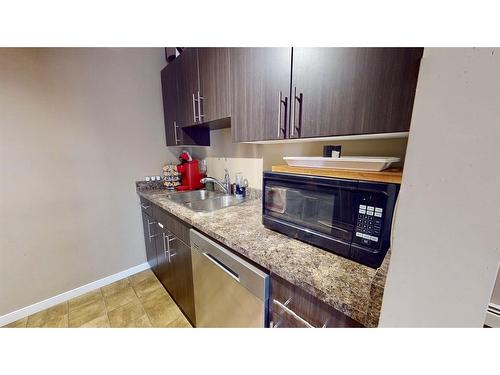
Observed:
{"x":358,"y":163}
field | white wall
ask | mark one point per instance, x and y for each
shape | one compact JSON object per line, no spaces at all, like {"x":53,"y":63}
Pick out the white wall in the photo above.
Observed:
{"x":446,"y":244}
{"x":242,"y":157}
{"x":77,"y":128}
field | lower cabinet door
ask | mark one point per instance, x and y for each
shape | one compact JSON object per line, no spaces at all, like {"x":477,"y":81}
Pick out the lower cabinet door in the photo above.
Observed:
{"x":165,"y":268}
{"x":183,"y":273}
{"x":150,"y":234}
{"x":283,"y":317}
{"x":293,"y":307}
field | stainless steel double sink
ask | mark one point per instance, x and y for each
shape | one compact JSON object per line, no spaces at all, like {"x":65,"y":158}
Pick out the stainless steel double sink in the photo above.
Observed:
{"x":204,"y":200}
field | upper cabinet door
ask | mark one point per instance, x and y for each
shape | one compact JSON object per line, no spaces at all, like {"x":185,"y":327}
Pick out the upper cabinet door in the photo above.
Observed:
{"x":260,"y":90}
{"x":188,"y":86}
{"x":343,"y":91}
{"x":169,"y":92}
{"x":214,"y":103}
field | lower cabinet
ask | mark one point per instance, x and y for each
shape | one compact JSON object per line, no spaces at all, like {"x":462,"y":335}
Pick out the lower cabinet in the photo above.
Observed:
{"x":173,"y":254}
{"x":165,"y":269}
{"x":149,"y":226}
{"x":183,"y":291}
{"x":292,"y":307}
{"x":168,"y":252}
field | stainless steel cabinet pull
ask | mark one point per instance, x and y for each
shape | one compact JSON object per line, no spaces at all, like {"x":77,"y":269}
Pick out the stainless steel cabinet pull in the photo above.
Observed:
{"x":194,"y":110}
{"x":175,"y":132}
{"x":282,"y":130}
{"x":279,"y":114}
{"x":222,"y":266}
{"x":164,"y":244}
{"x":144,"y":206}
{"x":169,"y":237}
{"x":199,"y":107}
{"x":275,"y":325}
{"x":149,"y":230}
{"x":294,"y":108}
{"x":291,"y":312}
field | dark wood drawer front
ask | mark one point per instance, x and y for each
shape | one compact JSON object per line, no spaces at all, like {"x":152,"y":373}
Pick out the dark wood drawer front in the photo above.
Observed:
{"x":283,"y":317}
{"x":293,"y":307}
{"x":146,"y":206}
{"x":179,"y":228}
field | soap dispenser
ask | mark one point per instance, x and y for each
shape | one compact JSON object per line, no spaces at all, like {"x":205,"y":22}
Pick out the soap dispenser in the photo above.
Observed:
{"x":238,"y":192}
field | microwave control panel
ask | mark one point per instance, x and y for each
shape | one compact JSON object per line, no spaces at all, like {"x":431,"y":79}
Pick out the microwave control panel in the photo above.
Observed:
{"x":369,"y":224}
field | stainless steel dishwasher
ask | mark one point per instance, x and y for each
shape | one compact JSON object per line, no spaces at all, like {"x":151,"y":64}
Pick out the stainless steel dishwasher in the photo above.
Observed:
{"x":228,"y":291}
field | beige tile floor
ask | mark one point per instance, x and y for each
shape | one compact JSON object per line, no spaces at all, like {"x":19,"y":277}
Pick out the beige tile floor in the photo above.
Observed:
{"x":138,"y":301}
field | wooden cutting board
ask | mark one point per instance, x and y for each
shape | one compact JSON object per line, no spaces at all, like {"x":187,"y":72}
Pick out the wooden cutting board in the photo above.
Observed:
{"x":391,"y":175}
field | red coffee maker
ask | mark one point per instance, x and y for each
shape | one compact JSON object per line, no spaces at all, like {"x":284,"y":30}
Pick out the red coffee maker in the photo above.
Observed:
{"x":190,"y":173}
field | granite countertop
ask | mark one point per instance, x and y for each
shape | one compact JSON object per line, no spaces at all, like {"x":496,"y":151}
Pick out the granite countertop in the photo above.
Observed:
{"x":352,"y":288}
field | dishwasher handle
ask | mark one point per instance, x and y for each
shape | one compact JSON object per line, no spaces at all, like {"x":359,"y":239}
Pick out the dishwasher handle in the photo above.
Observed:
{"x":222,"y":266}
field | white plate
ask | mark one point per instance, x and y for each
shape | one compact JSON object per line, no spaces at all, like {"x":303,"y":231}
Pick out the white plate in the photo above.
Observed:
{"x":359,"y":163}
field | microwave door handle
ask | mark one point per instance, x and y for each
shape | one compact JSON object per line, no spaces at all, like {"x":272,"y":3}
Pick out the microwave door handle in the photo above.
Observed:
{"x":326,"y":224}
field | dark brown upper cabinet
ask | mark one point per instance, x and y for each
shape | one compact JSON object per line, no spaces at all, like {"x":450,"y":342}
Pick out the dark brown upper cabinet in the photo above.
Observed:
{"x":213,"y":96}
{"x":174,"y":90}
{"x":196,"y":96}
{"x":187,"y":86}
{"x":260,"y":90}
{"x":349,"y":91}
{"x":321,"y":92}
{"x":169,"y":92}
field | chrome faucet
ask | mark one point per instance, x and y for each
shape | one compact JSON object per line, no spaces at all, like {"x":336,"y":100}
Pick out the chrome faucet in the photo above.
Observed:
{"x":222,"y":185}
{"x":227,"y":181}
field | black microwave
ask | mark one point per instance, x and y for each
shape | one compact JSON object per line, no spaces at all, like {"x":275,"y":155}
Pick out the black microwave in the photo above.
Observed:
{"x":351,"y":218}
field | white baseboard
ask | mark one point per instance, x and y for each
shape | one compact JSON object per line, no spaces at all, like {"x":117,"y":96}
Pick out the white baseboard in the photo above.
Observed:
{"x":52,"y":301}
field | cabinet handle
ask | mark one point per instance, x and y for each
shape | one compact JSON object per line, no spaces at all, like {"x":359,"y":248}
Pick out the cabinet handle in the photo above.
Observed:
{"x":167,"y":238}
{"x":292,"y":122}
{"x":149,"y":230}
{"x":144,"y":206}
{"x":291,"y":312}
{"x":194,"y":110}
{"x":279,"y":114}
{"x":284,"y":102}
{"x":175,"y":132}
{"x":199,"y":107}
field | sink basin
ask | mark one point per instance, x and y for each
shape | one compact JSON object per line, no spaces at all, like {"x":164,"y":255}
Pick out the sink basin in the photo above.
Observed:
{"x":214,"y":204}
{"x":204,"y":200}
{"x":189,"y":196}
